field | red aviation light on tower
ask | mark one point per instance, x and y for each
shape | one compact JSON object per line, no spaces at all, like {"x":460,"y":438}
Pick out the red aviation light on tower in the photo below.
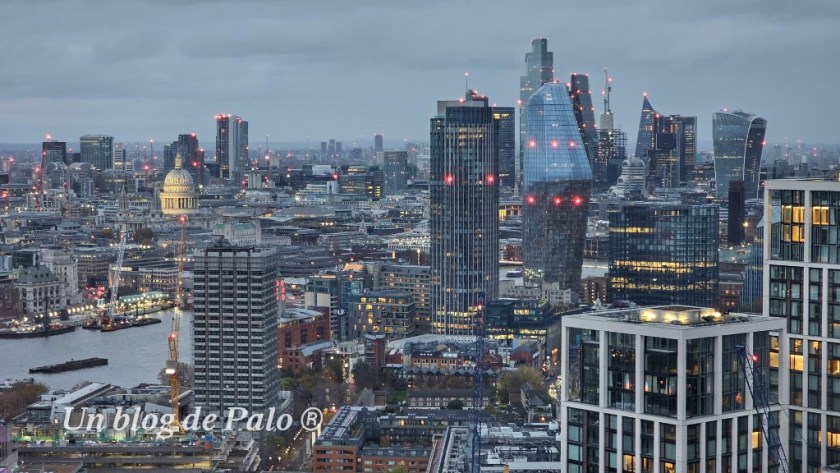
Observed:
{"x":577,"y":200}
{"x":532,"y":144}
{"x":490,"y":179}
{"x":555,"y":143}
{"x":449,"y":179}
{"x":531,"y":199}
{"x":572,"y":144}
{"x":557,"y":200}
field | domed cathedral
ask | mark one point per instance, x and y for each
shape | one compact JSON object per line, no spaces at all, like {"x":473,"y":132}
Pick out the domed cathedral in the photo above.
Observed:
{"x":178,"y":195}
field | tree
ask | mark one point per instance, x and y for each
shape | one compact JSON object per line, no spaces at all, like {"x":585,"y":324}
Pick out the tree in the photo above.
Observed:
{"x":186,"y":375}
{"x":336,"y":369}
{"x":143,"y":236}
{"x":13,"y":401}
{"x":513,"y":380}
{"x":364,"y":376}
{"x":455,"y":404}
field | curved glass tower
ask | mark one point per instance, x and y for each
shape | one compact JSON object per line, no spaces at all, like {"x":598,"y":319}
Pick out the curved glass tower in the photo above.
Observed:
{"x":738,"y":141}
{"x":557,"y":184}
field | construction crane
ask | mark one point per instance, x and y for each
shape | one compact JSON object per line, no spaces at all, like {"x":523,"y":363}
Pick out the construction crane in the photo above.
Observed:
{"x":172,"y":362}
{"x":478,"y":394}
{"x":761,"y":402}
{"x":115,"y":283}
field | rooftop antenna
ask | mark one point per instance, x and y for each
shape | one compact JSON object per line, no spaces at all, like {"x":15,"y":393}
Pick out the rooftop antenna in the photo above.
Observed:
{"x":466,"y":86}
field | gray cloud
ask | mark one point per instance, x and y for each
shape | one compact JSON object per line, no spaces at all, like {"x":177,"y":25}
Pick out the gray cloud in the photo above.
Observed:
{"x":155,"y":68}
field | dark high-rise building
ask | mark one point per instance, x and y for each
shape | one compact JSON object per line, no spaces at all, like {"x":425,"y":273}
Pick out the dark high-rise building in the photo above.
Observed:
{"x":664,"y":253}
{"x":646,"y":139}
{"x":193,"y":156}
{"x":738,"y":142}
{"x":557,"y":186}
{"x":539,"y":65}
{"x":674,"y":146}
{"x":97,"y":150}
{"x":506,"y":118}
{"x":464,"y":214}
{"x":378,"y":143}
{"x":54,"y":152}
{"x":612,"y":151}
{"x":235,"y":292}
{"x":324,"y":151}
{"x":581,"y":97}
{"x":395,"y":168}
{"x":231,"y":145}
{"x":735,"y":220}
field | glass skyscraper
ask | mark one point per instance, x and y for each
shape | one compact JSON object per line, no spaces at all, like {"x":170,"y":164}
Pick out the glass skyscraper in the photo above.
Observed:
{"x":506,"y":117}
{"x":664,"y":253}
{"x":540,"y":70}
{"x":464,"y":216}
{"x":581,"y":97}
{"x":231,"y":145}
{"x":646,"y":139}
{"x":557,"y":185}
{"x":97,"y":150}
{"x":738,"y":142}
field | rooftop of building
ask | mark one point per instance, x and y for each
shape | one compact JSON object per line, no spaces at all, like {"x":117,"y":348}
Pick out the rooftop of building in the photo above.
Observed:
{"x":672,"y":316}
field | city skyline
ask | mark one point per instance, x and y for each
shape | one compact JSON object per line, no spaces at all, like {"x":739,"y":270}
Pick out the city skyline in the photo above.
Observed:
{"x":129,"y":85}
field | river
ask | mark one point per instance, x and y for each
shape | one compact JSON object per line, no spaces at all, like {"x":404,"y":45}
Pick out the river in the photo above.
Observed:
{"x":135,"y":355}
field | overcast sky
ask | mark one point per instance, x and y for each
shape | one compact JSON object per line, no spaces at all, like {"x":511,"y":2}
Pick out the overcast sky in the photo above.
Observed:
{"x":313,"y":70}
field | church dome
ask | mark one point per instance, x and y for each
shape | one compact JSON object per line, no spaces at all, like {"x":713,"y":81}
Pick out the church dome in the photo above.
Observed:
{"x":178,"y":195}
{"x":178,"y":179}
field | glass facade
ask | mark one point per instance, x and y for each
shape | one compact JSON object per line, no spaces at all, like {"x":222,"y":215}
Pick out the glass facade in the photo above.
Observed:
{"x":738,"y":141}
{"x":581,"y":97}
{"x":646,"y":139}
{"x":664,"y":253}
{"x":464,"y":215}
{"x":231,"y":145}
{"x":540,"y":70}
{"x":557,"y":185}
{"x":97,"y":150}
{"x":505,"y":116}
{"x":395,"y":170}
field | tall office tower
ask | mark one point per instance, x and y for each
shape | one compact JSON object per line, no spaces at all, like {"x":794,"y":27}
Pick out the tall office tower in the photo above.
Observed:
{"x":331,"y":150}
{"x":244,"y":157}
{"x":662,"y":389}
{"x":169,"y":151}
{"x":539,"y":65}
{"x":737,"y":214}
{"x":646,"y":139}
{"x":54,"y":152}
{"x":324,"y":152}
{"x":464,"y":222}
{"x":674,"y":146}
{"x":506,"y":117}
{"x":738,"y":142}
{"x":234,"y":328}
{"x":378,"y":143}
{"x":612,"y":151}
{"x":664,"y":253}
{"x":97,"y":150}
{"x":339,"y":150}
{"x":230,"y":147}
{"x":581,"y":97}
{"x":557,"y":186}
{"x":802,"y":285}
{"x":121,"y":159}
{"x":395,"y":168}
{"x":188,"y":147}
